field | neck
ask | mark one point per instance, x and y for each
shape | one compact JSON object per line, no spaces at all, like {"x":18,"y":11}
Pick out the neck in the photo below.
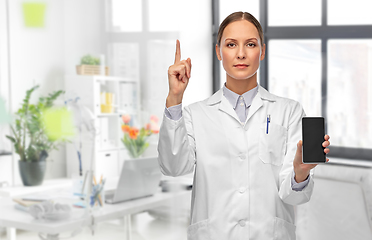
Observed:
{"x":241,"y":86}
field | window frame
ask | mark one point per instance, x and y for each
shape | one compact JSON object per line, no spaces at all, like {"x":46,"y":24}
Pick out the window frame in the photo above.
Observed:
{"x":142,"y":37}
{"x":322,"y":32}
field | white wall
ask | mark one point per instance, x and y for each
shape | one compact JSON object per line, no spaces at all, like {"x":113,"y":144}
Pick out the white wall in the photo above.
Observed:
{"x":72,"y":29}
{"x":3,"y":51}
{"x":4,"y":87}
{"x":5,"y":161}
{"x":83,"y":26}
{"x":44,"y":55}
{"x":36,"y":57}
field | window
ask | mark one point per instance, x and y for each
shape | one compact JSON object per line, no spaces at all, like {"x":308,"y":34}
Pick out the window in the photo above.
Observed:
{"x":295,"y":72}
{"x":349,"y":92}
{"x":294,"y":13}
{"x":159,"y":15}
{"x":319,"y":53}
{"x":126,"y":16}
{"x":141,"y":40}
{"x":343,"y":12}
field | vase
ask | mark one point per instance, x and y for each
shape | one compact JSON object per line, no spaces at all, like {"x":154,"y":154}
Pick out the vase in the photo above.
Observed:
{"x":32,"y":173}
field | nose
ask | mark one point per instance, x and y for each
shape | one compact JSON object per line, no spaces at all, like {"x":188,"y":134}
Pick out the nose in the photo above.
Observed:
{"x":241,"y":53}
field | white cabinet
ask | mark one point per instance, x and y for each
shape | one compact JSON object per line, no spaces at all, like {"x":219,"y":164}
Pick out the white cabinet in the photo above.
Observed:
{"x":106,"y":150}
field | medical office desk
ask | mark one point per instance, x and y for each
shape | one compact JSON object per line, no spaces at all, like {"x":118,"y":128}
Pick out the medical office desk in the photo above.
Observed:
{"x":13,"y":219}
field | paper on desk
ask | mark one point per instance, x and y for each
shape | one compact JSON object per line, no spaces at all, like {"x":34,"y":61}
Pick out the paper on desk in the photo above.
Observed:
{"x":37,"y":197}
{"x":50,"y":195}
{"x":25,"y":203}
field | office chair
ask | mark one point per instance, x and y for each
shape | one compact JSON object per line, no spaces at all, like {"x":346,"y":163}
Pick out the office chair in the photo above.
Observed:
{"x":340,"y":207}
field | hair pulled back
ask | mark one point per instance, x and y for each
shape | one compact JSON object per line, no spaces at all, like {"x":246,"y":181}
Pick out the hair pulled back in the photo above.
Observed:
{"x":237,"y":16}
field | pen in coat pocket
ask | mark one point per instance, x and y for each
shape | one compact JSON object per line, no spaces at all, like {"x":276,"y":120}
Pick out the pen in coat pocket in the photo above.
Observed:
{"x":267,"y":124}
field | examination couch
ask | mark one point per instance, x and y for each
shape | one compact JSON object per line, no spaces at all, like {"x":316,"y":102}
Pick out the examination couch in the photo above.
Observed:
{"x":340,"y":207}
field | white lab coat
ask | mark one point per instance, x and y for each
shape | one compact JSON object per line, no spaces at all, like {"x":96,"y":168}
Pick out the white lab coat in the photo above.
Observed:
{"x":242,"y":178}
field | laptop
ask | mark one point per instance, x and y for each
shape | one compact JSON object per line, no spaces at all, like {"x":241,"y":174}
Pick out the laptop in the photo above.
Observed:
{"x":139,"y":178}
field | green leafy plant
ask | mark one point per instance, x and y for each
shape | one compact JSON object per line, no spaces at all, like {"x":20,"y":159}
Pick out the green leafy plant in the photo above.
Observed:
{"x":89,"y":60}
{"x":30,"y":140}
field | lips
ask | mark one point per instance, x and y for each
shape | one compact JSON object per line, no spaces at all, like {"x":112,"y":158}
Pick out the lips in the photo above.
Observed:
{"x":241,"y":65}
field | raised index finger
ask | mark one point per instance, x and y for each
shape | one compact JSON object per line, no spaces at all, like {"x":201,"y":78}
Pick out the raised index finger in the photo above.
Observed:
{"x":178,"y":52}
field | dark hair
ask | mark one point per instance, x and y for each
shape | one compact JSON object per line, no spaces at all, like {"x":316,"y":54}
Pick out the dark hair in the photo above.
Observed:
{"x":237,"y":16}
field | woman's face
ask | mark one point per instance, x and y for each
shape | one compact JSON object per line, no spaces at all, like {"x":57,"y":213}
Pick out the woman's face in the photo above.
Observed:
{"x":240,"y":50}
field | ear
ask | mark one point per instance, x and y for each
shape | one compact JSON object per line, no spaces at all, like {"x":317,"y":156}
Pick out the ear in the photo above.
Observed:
{"x":218,"y":53}
{"x":263,"y":51}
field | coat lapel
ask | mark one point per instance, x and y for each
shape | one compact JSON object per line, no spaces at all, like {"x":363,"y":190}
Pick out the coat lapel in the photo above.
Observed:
{"x":226,"y":107}
{"x":257,"y":103}
{"x":224,"y":104}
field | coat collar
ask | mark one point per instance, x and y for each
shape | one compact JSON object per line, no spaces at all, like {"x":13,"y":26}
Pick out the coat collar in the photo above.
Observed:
{"x":262,"y":93}
{"x":226,"y":106}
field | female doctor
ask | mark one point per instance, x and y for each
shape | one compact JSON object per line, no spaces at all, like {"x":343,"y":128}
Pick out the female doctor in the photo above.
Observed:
{"x":243,"y":144}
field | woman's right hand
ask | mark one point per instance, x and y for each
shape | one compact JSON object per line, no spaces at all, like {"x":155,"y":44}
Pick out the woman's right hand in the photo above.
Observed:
{"x":178,"y":76}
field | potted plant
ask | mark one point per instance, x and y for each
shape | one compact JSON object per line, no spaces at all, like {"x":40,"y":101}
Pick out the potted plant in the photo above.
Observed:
{"x":90,"y":65}
{"x":30,"y":140}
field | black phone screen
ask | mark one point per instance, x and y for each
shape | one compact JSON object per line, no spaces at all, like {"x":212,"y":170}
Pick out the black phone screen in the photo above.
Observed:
{"x":312,"y":139}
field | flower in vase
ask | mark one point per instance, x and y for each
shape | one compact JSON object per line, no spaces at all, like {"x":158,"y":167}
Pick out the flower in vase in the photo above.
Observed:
{"x":153,"y":125}
{"x":126,"y":119}
{"x":125,"y":128}
{"x":135,"y":140}
{"x":133,"y":133}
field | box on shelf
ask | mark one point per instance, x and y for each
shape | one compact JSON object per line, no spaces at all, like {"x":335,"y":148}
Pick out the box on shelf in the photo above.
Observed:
{"x":90,"y":70}
{"x":107,"y":100}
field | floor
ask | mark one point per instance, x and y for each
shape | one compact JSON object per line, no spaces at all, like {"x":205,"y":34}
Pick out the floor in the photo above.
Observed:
{"x":144,"y":227}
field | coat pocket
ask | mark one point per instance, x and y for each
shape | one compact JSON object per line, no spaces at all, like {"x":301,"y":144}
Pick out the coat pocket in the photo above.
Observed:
{"x":284,"y":230}
{"x":198,"y":231}
{"x":272,"y":144}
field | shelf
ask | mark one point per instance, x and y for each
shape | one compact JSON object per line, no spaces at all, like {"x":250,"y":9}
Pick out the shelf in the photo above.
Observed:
{"x":109,"y":114}
{"x":113,"y":79}
{"x":99,"y":78}
{"x":5,"y":153}
{"x":111,"y":149}
{"x":114,"y":114}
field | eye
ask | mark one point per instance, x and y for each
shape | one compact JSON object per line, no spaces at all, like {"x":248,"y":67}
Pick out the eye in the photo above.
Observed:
{"x":231,"y":45}
{"x":251,"y":45}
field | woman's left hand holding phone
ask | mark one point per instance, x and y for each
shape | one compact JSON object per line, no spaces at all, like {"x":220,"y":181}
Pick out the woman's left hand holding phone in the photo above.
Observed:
{"x":301,"y":169}
{"x":178,"y":76}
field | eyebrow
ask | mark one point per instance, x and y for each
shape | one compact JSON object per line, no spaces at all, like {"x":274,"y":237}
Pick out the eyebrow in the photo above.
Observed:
{"x":246,"y":39}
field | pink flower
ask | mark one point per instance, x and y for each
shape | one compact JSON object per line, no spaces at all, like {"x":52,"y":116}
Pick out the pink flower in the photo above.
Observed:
{"x":154,"y":127}
{"x":154,"y":118}
{"x":126,"y":118}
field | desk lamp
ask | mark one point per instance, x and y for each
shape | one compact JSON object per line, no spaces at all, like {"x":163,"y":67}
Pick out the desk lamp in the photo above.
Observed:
{"x":84,"y":117}
{"x":58,"y":123}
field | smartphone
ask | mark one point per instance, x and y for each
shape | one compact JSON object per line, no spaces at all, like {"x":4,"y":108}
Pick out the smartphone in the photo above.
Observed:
{"x":312,"y":139}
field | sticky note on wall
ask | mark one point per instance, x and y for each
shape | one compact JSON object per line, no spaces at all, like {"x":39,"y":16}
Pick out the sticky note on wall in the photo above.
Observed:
{"x":33,"y":14}
{"x":58,"y":123}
